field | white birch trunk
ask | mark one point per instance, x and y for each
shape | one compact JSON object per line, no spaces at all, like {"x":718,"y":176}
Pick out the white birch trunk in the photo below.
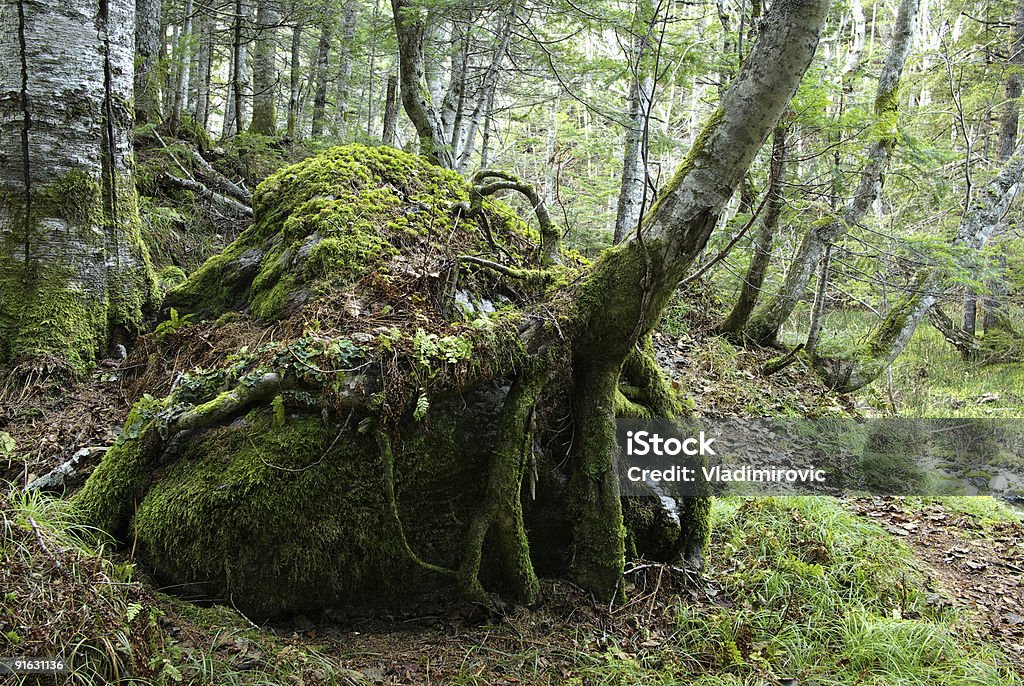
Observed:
{"x":73,"y":271}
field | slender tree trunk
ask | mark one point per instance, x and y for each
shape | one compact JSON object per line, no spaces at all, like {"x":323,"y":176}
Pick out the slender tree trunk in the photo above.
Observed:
{"x":485,"y":93}
{"x":485,"y":139}
{"x":294,"y":80}
{"x":410,"y":29}
{"x":182,"y":60}
{"x":818,"y":310}
{"x":750,"y":289}
{"x":323,"y":56}
{"x":348,"y":32}
{"x":767,"y":319}
{"x":264,"y":72}
{"x":74,"y":275}
{"x":147,"y":71}
{"x":994,"y":318}
{"x":205,"y":68}
{"x":234,"y":121}
{"x":230,"y":101}
{"x":970,"y":323}
{"x":390,"y":135}
{"x":634,"y":169}
{"x":1010,"y":120}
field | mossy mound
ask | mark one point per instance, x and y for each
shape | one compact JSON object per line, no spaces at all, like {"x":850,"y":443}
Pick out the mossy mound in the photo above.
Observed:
{"x":352,"y":220}
{"x":338,"y":455}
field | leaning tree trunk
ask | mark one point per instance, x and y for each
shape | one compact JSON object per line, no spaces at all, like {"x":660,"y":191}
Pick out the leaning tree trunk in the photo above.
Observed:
{"x":767,"y":320}
{"x":485,"y":94}
{"x":750,"y":289}
{"x":264,"y":70}
{"x":147,"y":69}
{"x":410,"y":28}
{"x":888,"y":340}
{"x":617,"y":309}
{"x":74,"y":274}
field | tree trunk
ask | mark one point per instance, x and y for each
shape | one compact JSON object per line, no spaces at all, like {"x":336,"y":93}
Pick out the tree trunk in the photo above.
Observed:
{"x":750,"y":288}
{"x":893,"y":334}
{"x":617,"y":309}
{"x":994,"y":318}
{"x":764,"y":325}
{"x":182,"y":60}
{"x":74,"y":276}
{"x":390,"y":135}
{"x":147,"y":69}
{"x":348,"y":32}
{"x":234,"y":120}
{"x":294,"y":80}
{"x":264,"y":71}
{"x":454,"y":98}
{"x":1010,"y":120}
{"x":485,"y":94}
{"x":323,"y":56}
{"x":634,"y":166}
{"x":818,"y":310}
{"x":205,"y":67}
{"x":410,"y":28}
{"x":970,"y":323}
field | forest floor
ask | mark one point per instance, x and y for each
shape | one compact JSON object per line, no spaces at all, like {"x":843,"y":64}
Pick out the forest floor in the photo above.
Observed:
{"x":796,"y":590}
{"x":977,"y":564}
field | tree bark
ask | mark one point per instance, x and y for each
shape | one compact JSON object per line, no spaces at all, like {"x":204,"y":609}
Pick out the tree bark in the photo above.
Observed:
{"x":634,"y":168}
{"x":147,"y":71}
{"x":622,"y":299}
{"x":750,"y":288}
{"x":294,"y":80}
{"x":264,"y":72}
{"x":323,"y":57}
{"x":348,"y":32}
{"x":485,"y":93}
{"x":410,"y":29}
{"x":1009,"y":123}
{"x":818,"y":310}
{"x":764,"y":325}
{"x":74,"y":276}
{"x":390,"y":135}
{"x":205,"y":67}
{"x":182,"y":60}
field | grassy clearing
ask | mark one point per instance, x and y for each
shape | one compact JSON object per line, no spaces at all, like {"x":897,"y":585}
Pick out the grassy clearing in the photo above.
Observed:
{"x":800,"y":589}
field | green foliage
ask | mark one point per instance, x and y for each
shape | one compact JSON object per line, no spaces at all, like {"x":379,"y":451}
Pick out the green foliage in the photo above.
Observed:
{"x":172,"y":325}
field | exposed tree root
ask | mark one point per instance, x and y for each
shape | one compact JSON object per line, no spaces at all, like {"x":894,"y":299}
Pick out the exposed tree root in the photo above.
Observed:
{"x":502,"y":511}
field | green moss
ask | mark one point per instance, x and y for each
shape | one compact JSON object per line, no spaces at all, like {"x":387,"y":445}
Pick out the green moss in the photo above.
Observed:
{"x":320,"y":225}
{"x":170,"y":277}
{"x":48,"y":314}
{"x":66,"y":306}
{"x":292,"y":515}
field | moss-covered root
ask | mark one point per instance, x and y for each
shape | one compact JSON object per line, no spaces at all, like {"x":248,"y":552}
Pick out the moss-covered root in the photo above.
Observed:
{"x":109,"y":495}
{"x":388,"y":457}
{"x":502,"y":511}
{"x":645,"y":378}
{"x":594,"y":504}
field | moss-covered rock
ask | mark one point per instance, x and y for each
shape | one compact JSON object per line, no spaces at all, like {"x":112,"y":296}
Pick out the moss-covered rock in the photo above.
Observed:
{"x":391,"y":433}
